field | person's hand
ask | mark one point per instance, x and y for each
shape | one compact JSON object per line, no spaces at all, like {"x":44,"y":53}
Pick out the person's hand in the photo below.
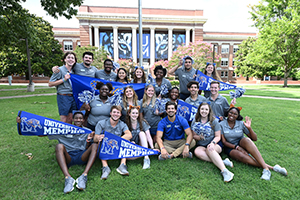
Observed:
{"x":99,"y":138}
{"x":186,"y":151}
{"x":211,"y":147}
{"x":55,"y":69}
{"x":87,"y":106}
{"x":18,"y":120}
{"x":180,"y":62}
{"x":67,"y":76}
{"x":221,"y":118}
{"x":164,"y":153}
{"x":90,"y":136}
{"x":247,"y":122}
{"x":233,"y":101}
{"x":242,"y":150}
{"x":156,"y":112}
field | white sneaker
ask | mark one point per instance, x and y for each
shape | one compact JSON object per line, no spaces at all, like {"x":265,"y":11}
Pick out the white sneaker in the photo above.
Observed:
{"x":266,"y":175}
{"x":146,"y":163}
{"x":280,"y":170}
{"x":227,"y":162}
{"x":227,"y":175}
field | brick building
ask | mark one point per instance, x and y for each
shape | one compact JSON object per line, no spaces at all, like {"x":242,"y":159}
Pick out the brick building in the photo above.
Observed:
{"x":116,"y":29}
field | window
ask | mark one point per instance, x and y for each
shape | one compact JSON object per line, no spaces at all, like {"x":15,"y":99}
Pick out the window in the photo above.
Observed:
{"x":224,"y":62}
{"x":226,"y":73}
{"x":222,"y":74}
{"x":233,"y":75}
{"x":225,"y":48}
{"x":233,"y":62}
{"x":78,"y":44}
{"x":216,"y":47}
{"x":235,"y":48}
{"x":68,"y":45}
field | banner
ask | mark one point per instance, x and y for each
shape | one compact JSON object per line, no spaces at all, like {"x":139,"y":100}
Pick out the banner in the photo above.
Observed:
{"x":114,"y":147}
{"x":204,"y":82}
{"x":186,"y":110}
{"x":32,"y":124}
{"x":83,"y":85}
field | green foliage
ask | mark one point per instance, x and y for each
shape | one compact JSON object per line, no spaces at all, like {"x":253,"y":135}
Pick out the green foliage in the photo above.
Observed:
{"x":278,"y":43}
{"x":99,"y":55}
{"x":64,"y":8}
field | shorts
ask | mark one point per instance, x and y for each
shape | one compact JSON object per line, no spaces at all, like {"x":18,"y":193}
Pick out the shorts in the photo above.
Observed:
{"x":135,"y":138}
{"x":66,"y":104}
{"x":227,"y":150}
{"x":76,"y":158}
{"x":219,"y":143}
{"x":153,"y":131}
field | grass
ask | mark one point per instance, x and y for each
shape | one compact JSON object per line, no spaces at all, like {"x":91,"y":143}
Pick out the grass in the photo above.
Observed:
{"x":24,"y":91}
{"x":274,"y":121}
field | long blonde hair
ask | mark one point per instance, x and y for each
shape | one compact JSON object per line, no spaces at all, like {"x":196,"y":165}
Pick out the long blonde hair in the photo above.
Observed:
{"x":125,"y":100}
{"x":145,"y":97}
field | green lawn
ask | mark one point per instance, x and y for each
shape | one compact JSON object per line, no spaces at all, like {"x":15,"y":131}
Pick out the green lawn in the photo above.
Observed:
{"x":38,"y":90}
{"x":274,"y":121}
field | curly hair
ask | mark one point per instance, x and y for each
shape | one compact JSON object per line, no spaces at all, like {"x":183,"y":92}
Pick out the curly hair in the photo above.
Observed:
{"x":101,"y":84}
{"x":239,"y":118}
{"x":159,"y":67}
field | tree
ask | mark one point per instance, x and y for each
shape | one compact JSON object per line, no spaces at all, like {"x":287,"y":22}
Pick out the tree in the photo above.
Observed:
{"x":45,"y":51}
{"x":278,"y":43}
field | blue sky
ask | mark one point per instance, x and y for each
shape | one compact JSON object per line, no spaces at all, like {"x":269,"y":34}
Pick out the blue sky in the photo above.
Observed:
{"x":223,"y":15}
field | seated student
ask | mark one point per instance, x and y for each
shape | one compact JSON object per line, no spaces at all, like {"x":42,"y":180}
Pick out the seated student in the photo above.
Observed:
{"x":129,"y":98}
{"x":117,"y":127}
{"x":195,"y":99}
{"x":170,"y":135}
{"x":140,"y":131}
{"x":218,"y":103}
{"x":242,"y":148}
{"x":207,"y":132}
{"x":71,"y":150}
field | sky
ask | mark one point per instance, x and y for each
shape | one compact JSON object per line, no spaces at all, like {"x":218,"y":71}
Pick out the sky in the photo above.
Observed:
{"x":222,"y":15}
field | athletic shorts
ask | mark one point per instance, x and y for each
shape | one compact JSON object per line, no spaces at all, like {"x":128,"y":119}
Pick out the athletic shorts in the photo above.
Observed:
{"x":76,"y":157}
{"x":153,"y":131}
{"x":66,"y":104}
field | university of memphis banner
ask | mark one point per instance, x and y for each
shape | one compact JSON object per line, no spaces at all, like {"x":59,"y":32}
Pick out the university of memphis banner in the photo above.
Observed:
{"x":114,"y":147}
{"x":84,"y":88}
{"x":204,"y":82}
{"x":32,"y":124}
{"x":186,"y":110}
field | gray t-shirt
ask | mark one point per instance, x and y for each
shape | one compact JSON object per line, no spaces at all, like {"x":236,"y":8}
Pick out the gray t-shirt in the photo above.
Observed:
{"x":149,"y":115}
{"x":101,"y":74}
{"x":99,"y":111}
{"x":135,"y":132}
{"x":82,"y":70}
{"x":158,"y":88}
{"x":219,"y":106}
{"x":208,"y":138}
{"x":104,"y":125}
{"x":65,"y":87}
{"x":197,"y":102}
{"x":184,"y":78}
{"x":71,"y":142}
{"x":234,"y":135}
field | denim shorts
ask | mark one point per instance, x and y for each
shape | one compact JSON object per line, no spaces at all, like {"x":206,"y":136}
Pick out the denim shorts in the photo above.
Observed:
{"x":153,"y":131}
{"x":76,"y":157}
{"x":66,"y":104}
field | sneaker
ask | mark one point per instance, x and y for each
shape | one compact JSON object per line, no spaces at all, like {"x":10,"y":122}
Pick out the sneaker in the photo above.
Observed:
{"x":69,"y":185}
{"x":122,"y":169}
{"x":146,"y":163}
{"x":160,"y":157}
{"x":227,"y":162}
{"x":227,"y":175}
{"x":190,"y":155}
{"x":105,"y":172}
{"x":280,"y":170}
{"x":81,"y":182}
{"x":266,"y":175}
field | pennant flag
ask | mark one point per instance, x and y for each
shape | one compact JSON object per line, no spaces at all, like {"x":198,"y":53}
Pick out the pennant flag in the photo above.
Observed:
{"x":114,"y":147}
{"x":32,"y":124}
{"x":204,"y":82}
{"x":85,"y":87}
{"x":186,"y":110}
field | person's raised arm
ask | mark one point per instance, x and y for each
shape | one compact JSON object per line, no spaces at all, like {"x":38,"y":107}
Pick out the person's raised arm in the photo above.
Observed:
{"x":60,"y":81}
{"x":171,"y":72}
{"x":251,"y":134}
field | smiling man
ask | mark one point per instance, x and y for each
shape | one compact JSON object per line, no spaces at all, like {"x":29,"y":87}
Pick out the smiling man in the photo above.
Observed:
{"x":107,"y":73}
{"x":195,"y":99}
{"x":170,"y":136}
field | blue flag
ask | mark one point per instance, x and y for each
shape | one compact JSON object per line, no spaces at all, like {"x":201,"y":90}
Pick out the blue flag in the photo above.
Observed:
{"x":114,"y":147}
{"x":204,"y":82}
{"x":32,"y":124}
{"x":84,"y":87}
{"x":186,"y":110}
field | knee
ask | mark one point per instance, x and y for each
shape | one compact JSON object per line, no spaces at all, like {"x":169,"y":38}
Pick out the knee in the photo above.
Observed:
{"x":241,"y":157}
{"x":200,"y":153}
{"x":59,"y":148}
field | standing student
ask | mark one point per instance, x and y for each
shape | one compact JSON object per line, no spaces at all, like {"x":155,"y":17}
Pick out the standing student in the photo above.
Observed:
{"x":160,"y":81}
{"x":210,"y":70}
{"x":139,"y":75}
{"x":65,"y":100}
{"x":207,"y":132}
{"x":106,"y":73}
{"x":185,"y":72}
{"x":195,"y":99}
{"x":122,"y":76}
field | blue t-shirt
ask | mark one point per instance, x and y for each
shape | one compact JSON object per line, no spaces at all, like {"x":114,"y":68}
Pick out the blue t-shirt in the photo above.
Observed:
{"x":173,"y":130}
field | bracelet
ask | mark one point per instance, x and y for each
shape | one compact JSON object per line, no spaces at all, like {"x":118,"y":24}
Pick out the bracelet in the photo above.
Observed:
{"x":236,"y":147}
{"x":162,"y":148}
{"x":64,"y":80}
{"x":187,"y":144}
{"x":213,"y":142}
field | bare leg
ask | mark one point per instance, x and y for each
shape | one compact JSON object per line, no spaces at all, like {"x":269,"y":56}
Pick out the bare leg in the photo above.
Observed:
{"x":149,"y":139}
{"x":63,"y":118}
{"x":70,"y":118}
{"x":63,"y":158}
{"x":89,"y":155}
{"x":210,"y":156}
{"x":143,"y":140}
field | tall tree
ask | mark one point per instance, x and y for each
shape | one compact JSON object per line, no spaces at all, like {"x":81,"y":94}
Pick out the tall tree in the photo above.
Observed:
{"x":278,"y":43}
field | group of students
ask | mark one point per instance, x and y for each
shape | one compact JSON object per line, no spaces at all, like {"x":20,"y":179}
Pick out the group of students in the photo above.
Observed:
{"x":217,"y":125}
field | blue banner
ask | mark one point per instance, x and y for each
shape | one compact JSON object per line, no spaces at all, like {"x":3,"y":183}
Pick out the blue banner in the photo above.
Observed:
{"x":204,"y":82}
{"x":84,"y":88}
{"x":146,"y":45}
{"x":114,"y":147}
{"x":186,"y":110}
{"x":32,"y":124}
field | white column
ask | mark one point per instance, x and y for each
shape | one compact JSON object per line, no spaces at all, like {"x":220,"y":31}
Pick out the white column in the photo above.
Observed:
{"x":90,"y":34}
{"x":193,"y":35}
{"x":134,"y":44}
{"x":116,"y":45}
{"x":152,"y":46}
{"x":187,"y":37}
{"x":170,"y":43}
{"x":96,"y":36}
